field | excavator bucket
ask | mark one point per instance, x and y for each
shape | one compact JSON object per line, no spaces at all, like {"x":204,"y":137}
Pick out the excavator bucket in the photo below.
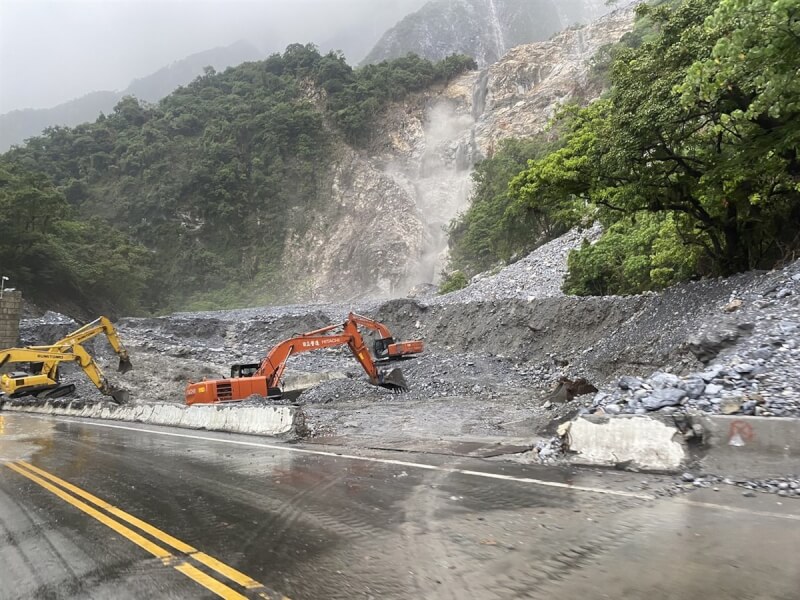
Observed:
{"x":393,"y":380}
{"x":124,"y":364}
{"x":120,"y":396}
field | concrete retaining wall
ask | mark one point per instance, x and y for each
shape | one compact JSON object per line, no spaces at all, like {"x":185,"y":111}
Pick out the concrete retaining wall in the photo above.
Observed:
{"x":10,"y":306}
{"x":750,"y":446}
{"x":256,"y":420}
{"x":630,"y":441}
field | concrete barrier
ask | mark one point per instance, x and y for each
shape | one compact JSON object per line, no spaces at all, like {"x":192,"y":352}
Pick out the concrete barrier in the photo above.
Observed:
{"x":254,"y":420}
{"x":631,"y":441}
{"x":749,"y":447}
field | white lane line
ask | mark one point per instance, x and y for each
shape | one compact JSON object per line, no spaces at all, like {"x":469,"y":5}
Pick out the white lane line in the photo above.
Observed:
{"x":738,"y":509}
{"x":385,"y":461}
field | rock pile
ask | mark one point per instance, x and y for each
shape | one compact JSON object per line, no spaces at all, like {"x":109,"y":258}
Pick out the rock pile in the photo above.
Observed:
{"x":751,"y":362}
{"x":540,"y":274}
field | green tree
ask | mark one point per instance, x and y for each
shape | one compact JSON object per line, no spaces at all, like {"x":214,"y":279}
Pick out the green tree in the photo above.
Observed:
{"x":489,"y":232}
{"x":212,"y":180}
{"x":54,"y":258}
{"x":702,"y":126}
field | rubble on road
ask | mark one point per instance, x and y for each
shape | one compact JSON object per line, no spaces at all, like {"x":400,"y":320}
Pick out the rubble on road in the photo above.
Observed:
{"x":786,"y":487}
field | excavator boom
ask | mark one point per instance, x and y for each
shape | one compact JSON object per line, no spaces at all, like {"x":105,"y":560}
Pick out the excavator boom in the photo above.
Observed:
{"x":19,"y":383}
{"x":93,"y":329}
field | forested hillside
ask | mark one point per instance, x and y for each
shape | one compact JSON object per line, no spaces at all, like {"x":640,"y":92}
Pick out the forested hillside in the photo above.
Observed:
{"x":210,"y":181}
{"x":18,"y":125}
{"x":690,"y":160}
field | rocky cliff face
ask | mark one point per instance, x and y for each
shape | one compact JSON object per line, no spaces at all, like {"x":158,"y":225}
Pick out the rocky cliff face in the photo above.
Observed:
{"x":483,"y":29}
{"x":383,"y":230}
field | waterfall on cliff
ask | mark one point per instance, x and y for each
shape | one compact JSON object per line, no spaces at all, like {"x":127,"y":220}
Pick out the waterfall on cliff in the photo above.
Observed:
{"x":496,"y":29}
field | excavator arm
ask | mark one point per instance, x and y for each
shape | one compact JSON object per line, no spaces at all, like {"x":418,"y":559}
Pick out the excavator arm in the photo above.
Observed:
{"x":93,"y":329}
{"x":274,"y":364}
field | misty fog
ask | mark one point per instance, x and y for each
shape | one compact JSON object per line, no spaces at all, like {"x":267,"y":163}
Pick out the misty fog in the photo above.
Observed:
{"x":55,"y":50}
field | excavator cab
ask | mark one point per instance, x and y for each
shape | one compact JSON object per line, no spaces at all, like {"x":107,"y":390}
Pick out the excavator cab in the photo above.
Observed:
{"x":246,"y":370}
{"x":381,"y":348}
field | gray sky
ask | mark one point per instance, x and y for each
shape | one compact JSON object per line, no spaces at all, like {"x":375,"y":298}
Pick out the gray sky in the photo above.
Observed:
{"x":55,"y":50}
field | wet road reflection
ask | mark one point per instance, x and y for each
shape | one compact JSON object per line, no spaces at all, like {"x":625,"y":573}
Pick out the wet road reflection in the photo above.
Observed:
{"x":309,"y":524}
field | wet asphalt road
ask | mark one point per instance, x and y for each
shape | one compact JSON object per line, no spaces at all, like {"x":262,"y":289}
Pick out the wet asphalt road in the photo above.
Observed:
{"x":237,"y":516}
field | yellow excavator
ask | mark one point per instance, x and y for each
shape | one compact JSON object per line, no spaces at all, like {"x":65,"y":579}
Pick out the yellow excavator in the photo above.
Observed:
{"x":42,"y":378}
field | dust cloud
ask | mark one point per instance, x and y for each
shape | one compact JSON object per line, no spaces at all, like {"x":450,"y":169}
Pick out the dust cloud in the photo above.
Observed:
{"x":442,"y":185}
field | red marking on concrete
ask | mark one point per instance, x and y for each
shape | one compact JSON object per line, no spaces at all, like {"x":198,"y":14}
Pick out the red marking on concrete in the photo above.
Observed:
{"x":741,"y":429}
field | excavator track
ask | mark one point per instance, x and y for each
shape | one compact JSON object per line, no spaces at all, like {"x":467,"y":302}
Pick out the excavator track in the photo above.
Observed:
{"x":59,"y":392}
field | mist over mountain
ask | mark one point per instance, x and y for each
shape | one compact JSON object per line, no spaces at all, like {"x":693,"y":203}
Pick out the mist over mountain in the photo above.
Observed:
{"x":483,"y":29}
{"x":19,"y":125}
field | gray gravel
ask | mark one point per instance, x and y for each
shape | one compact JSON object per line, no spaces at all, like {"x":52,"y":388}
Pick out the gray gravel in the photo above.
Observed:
{"x":787,"y":486}
{"x":540,"y":274}
{"x":750,"y":356}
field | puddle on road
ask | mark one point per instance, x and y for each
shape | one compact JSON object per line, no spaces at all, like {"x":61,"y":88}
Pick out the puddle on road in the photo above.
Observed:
{"x":21,"y":438}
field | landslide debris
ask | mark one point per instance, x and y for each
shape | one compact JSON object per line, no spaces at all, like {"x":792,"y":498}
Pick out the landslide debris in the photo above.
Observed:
{"x":497,"y":351}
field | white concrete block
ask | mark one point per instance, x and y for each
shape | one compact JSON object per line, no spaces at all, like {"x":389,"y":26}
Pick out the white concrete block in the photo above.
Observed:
{"x":643,"y":442}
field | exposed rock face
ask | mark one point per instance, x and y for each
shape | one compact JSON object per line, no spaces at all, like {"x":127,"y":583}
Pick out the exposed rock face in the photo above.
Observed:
{"x":483,"y":29}
{"x":384,"y":229}
{"x":359,"y":245}
{"x":522,"y":92}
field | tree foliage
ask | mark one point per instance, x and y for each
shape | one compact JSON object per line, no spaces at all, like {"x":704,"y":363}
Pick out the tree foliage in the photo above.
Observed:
{"x":457,"y":280}
{"x":700,"y":131}
{"x":641,"y":254}
{"x":54,"y":257}
{"x":490,"y":231}
{"x":214,"y":178}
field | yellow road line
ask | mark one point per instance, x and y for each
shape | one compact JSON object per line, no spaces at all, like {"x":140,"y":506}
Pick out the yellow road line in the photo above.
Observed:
{"x":229,"y":572}
{"x":137,"y":539}
{"x":208,"y":582}
{"x":156,"y":533}
{"x":209,"y":561}
{"x":31,"y":472}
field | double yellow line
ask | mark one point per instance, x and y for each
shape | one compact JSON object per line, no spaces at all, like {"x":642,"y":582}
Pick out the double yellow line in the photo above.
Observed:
{"x":180,"y":560}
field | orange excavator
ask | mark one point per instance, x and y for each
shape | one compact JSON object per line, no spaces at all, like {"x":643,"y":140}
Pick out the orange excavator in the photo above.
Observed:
{"x":263,"y":379}
{"x":385,"y":347}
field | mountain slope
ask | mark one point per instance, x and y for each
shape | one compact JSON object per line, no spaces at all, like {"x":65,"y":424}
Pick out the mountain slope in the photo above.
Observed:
{"x":297,"y":178}
{"x":225,"y":173}
{"x":19,"y":125}
{"x":483,"y":29}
